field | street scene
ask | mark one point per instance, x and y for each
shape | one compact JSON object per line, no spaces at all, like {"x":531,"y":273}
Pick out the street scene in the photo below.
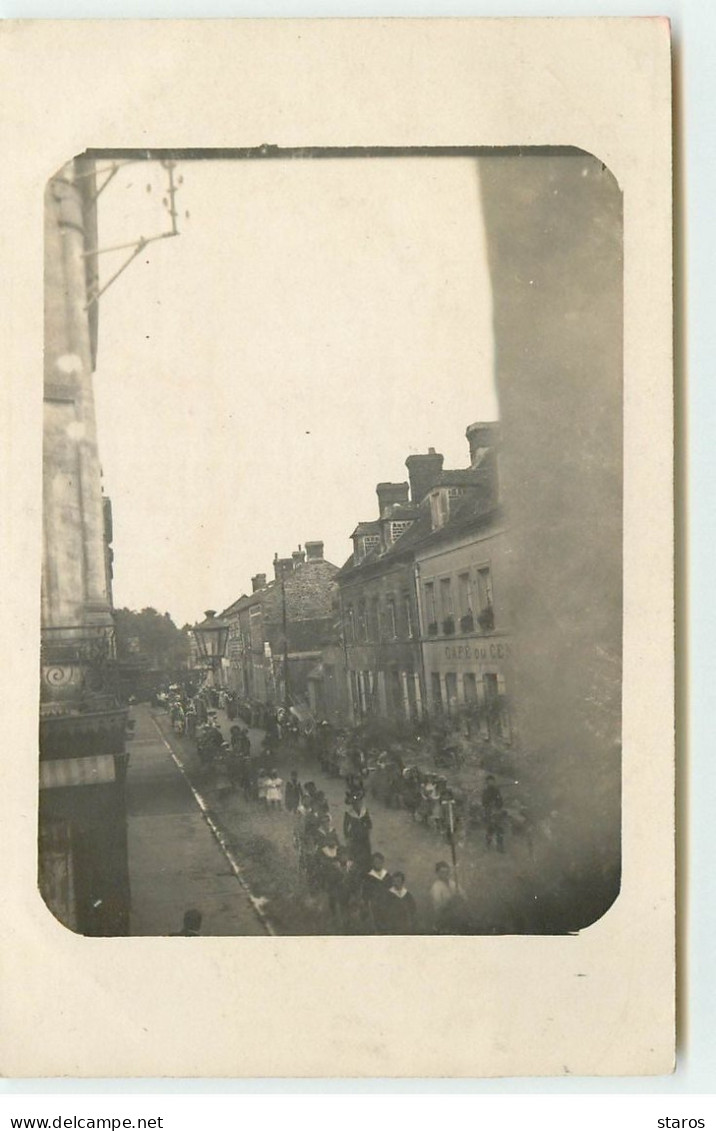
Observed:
{"x":369,"y":409}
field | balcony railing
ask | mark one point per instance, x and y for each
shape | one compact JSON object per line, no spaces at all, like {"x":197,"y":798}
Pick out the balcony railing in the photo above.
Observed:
{"x":78,"y":661}
{"x":433,"y":628}
{"x":78,"y":644}
{"x":449,"y":626}
{"x":467,"y":623}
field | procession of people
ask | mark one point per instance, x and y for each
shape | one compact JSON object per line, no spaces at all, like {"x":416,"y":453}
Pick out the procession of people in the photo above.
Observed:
{"x":336,"y":858}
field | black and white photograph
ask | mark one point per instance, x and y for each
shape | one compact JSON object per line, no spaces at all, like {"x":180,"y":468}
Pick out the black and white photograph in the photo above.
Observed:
{"x":340,"y":468}
{"x":331,"y":589}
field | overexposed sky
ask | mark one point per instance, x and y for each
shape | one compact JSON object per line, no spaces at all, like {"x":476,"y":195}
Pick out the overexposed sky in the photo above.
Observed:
{"x":315,"y":322}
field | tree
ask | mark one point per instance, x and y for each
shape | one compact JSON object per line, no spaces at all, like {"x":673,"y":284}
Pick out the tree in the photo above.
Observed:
{"x":151,"y":639}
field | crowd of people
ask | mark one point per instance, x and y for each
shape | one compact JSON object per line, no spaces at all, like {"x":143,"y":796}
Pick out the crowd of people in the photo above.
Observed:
{"x":425,"y":794}
{"x":339,"y":865}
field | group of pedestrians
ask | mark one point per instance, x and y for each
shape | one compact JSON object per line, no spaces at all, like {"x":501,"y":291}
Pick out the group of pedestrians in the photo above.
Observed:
{"x":360,"y":895}
{"x":350,"y":881}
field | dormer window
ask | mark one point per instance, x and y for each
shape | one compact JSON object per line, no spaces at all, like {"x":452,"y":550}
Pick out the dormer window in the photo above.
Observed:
{"x":398,"y":528}
{"x":439,"y":507}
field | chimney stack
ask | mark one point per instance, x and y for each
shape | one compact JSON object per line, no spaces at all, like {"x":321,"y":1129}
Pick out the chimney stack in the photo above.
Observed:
{"x":258,"y":581}
{"x":423,"y":472}
{"x":282,"y":567}
{"x":314,"y":551}
{"x":298,"y":556}
{"x":389,"y":494}
{"x":482,"y":435}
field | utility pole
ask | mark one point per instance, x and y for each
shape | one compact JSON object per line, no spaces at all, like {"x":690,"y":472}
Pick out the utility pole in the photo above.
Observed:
{"x":449,"y":804}
{"x":286,"y":696}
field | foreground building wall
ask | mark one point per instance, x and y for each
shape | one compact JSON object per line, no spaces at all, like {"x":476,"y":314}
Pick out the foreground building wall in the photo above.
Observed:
{"x":83,"y":872}
{"x":554,"y":233}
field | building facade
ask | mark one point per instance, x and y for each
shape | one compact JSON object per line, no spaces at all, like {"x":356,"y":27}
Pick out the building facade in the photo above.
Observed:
{"x":464,"y":623}
{"x":278,"y":632}
{"x":387,"y":624}
{"x":83,"y":873}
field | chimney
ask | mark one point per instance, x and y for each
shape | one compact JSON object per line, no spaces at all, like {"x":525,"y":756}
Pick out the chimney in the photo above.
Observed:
{"x":423,"y":472}
{"x":389,"y":494}
{"x":314,"y":551}
{"x":482,"y":435}
{"x":298,"y":556}
{"x":258,"y":581}
{"x":282,"y":567}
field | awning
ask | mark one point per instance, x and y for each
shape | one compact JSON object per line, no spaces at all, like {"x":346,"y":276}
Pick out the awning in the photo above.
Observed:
{"x":61,"y":773}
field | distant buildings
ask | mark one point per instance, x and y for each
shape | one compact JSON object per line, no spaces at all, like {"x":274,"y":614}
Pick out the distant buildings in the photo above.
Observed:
{"x":423,"y":632}
{"x":413,"y":625}
{"x":279,"y":634}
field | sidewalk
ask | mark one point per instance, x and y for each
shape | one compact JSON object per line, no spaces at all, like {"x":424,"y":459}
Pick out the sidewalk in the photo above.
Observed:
{"x":174,"y":860}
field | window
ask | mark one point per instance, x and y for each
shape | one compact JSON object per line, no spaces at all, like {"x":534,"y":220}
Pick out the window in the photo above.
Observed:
{"x":430,"y":611}
{"x":362,"y":622}
{"x":451,"y":690}
{"x":484,"y":586}
{"x":469,"y":683}
{"x":374,"y":626}
{"x":396,"y":693}
{"x":370,"y":542}
{"x":350,"y":625}
{"x":446,"y":596}
{"x":390,"y":624}
{"x":486,"y":615}
{"x":492,"y":704}
{"x":464,"y":597}
{"x":439,"y":508}
{"x":398,"y":528}
{"x":408,"y":615}
{"x":455,"y":492}
{"x":437,"y":695}
{"x":255,"y":629}
{"x":446,"y":605}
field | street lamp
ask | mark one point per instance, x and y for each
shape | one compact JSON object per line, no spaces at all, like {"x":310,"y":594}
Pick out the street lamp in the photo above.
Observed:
{"x":211,"y":638}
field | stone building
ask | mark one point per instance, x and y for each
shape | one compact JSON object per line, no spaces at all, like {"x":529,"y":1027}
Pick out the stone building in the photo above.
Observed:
{"x":282,"y":627}
{"x":381,"y":615}
{"x":83,"y":873}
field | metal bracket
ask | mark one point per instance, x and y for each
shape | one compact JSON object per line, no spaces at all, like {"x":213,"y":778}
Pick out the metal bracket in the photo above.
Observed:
{"x":139,"y":245}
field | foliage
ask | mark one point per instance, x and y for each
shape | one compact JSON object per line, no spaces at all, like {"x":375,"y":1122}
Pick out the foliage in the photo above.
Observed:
{"x":151,"y":639}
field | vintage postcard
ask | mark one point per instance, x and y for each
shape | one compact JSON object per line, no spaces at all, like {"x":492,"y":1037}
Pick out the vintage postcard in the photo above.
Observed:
{"x":339,"y":479}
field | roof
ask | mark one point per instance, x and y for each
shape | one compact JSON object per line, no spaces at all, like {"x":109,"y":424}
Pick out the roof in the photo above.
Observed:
{"x":366,"y":528}
{"x":470,"y":512}
{"x":247,"y":599}
{"x":470,"y":477}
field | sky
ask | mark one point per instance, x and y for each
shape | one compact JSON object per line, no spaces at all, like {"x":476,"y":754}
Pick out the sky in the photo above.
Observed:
{"x":314,"y":323}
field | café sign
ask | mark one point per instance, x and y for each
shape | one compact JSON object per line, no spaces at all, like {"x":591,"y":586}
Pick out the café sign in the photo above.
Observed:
{"x":494,"y":650}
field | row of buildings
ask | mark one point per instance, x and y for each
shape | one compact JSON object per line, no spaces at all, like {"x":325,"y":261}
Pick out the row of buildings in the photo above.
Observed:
{"x":414,"y":623}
